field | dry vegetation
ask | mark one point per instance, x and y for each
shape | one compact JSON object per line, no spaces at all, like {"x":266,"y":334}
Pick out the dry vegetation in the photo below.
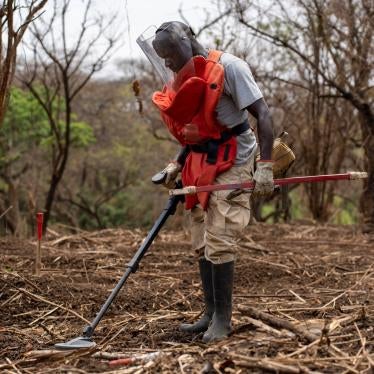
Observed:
{"x":303,"y":303}
{"x":303,"y":297}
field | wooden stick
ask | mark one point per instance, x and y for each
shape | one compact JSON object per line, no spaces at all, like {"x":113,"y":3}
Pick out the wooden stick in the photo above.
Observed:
{"x":265,"y":327}
{"x":8,"y":360}
{"x":44,"y":315}
{"x":39,"y":298}
{"x":269,"y":365}
{"x":38,"y":259}
{"x":278,"y":322}
{"x":38,"y":255}
{"x":303,"y":349}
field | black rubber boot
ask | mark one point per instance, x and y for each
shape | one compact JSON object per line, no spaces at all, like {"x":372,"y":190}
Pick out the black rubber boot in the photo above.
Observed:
{"x":220,"y":327}
{"x":202,"y":324}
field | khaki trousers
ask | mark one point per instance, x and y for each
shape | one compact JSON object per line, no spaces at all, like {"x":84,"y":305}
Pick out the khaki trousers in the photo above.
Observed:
{"x":214,"y":233}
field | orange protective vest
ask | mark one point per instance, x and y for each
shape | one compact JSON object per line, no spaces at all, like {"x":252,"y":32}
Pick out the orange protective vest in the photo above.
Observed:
{"x":188,"y":110}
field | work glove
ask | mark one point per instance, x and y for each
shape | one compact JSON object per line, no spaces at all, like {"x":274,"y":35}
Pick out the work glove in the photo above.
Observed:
{"x":263,"y":178}
{"x":171,"y":172}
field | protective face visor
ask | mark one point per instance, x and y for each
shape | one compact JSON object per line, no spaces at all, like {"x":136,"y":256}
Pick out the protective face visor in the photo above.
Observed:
{"x":170,"y":52}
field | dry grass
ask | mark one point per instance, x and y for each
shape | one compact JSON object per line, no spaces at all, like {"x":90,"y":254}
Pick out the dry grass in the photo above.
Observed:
{"x":303,"y":304}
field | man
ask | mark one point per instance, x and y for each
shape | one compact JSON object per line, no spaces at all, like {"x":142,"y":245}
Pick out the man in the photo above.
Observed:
{"x":205,"y":106}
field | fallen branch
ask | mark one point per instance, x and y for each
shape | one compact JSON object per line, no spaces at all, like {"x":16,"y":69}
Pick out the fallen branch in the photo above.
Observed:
{"x":270,"y":365}
{"x":264,"y":326}
{"x":278,"y":322}
{"x":40,"y":298}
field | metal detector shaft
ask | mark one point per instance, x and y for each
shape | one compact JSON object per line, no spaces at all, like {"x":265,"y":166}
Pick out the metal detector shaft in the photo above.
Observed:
{"x":132,"y":266}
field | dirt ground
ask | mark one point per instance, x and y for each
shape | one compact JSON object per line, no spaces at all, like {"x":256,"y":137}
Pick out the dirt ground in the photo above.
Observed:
{"x":313,"y":284}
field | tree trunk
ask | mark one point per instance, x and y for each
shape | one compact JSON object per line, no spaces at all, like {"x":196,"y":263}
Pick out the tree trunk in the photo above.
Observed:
{"x":367,"y":197}
{"x":50,"y":199}
{"x":13,"y":217}
{"x":14,"y":214}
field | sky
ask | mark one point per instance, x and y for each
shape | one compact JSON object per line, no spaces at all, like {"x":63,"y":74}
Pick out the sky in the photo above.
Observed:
{"x":145,"y":13}
{"x":135,"y":16}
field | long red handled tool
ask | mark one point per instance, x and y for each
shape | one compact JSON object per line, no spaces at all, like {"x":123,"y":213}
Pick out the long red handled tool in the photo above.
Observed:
{"x":189,"y":190}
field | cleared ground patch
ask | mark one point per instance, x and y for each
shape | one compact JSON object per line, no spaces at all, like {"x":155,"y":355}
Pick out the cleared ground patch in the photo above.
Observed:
{"x":318,"y":280}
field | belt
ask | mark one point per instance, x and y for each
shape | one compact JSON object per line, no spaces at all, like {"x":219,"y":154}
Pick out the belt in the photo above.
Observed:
{"x":211,"y":146}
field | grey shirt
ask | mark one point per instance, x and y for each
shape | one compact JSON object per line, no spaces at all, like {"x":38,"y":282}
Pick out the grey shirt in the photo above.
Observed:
{"x":240,"y":91}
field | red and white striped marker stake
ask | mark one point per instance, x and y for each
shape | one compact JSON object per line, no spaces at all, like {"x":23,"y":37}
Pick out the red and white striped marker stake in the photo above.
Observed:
{"x":38,"y":257}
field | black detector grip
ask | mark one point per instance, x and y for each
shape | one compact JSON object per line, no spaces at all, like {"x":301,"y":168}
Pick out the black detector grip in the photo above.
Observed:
{"x":159,"y":178}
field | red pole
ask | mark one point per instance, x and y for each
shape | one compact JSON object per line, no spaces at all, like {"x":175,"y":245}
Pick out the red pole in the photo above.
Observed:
{"x":38,"y":257}
{"x":277,"y":182}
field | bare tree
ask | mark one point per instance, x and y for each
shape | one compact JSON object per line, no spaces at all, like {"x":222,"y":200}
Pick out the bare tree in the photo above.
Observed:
{"x":333,"y":40}
{"x":15,"y":18}
{"x":61,"y":68}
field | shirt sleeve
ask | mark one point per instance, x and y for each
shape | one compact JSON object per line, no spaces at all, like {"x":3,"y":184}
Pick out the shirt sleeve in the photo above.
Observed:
{"x":240,"y":84}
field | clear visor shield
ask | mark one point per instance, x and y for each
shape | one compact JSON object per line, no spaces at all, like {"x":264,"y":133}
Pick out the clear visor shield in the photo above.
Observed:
{"x":169,"y":51}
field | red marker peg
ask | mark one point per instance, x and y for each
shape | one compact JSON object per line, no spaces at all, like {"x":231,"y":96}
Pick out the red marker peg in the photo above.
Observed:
{"x":39,"y":221}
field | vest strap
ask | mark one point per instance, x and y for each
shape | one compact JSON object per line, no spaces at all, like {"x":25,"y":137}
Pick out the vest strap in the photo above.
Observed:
{"x":211,"y":146}
{"x":214,"y":55}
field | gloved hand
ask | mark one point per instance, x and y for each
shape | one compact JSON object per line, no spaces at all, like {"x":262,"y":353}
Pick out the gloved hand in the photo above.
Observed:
{"x":171,"y":172}
{"x":264,"y":178}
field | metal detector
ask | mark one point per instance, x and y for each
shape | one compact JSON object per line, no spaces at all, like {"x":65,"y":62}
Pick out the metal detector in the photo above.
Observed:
{"x":85,"y":341}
